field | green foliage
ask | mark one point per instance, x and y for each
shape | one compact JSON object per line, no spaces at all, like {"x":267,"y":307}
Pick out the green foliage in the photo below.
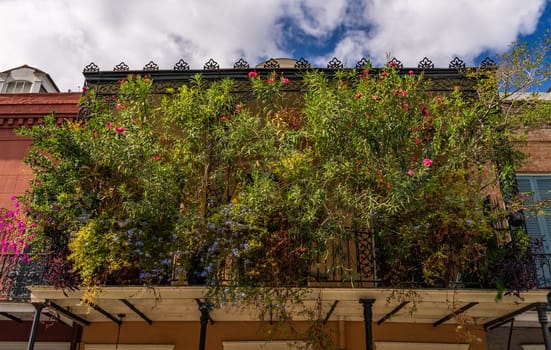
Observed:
{"x":247,"y":195}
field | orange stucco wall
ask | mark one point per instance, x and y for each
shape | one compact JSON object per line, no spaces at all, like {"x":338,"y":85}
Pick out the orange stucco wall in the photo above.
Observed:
{"x":14,"y":174}
{"x":185,"y":335}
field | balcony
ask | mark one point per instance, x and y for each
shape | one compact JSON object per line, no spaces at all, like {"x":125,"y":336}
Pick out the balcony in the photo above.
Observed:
{"x":16,"y":275}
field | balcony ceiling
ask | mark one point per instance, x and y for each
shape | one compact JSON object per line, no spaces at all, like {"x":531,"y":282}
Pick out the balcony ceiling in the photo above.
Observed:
{"x":477,"y":307}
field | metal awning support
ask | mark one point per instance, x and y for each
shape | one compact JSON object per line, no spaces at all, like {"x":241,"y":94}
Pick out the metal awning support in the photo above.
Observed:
{"x":104,"y":313}
{"x":455,"y":313}
{"x":507,"y":317}
{"x":333,"y":306}
{"x":34,"y":329}
{"x":542,"y":317}
{"x":391,"y":313}
{"x":368,"y":319}
{"x":204,"y":308}
{"x":67,"y":313}
{"x":137,"y":311}
{"x":11,"y":317}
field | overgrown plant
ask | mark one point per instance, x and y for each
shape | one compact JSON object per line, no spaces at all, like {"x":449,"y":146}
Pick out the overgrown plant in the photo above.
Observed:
{"x":246,"y":196}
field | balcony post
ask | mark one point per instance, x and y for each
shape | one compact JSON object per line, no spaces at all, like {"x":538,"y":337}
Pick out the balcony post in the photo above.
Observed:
{"x":36,"y":321}
{"x":204,"y":308}
{"x":542,"y":317}
{"x":368,"y":322}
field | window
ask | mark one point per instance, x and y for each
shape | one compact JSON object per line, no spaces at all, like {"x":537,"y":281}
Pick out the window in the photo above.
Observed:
{"x":18,"y":86}
{"x":539,"y":227}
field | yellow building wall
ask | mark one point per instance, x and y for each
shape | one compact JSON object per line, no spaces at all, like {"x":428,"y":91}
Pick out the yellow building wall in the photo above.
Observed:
{"x":185,"y":335}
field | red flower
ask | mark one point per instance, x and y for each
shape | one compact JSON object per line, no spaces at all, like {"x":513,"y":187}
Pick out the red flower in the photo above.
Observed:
{"x":376,"y":98}
{"x":120,"y":130}
{"x":392,"y":64}
{"x":118,"y":106}
{"x":253,"y":74}
{"x":417,"y":141}
{"x":358,"y":95}
{"x":427,"y":162}
{"x":384,"y":74}
{"x":285,"y":80}
{"x":366,"y":71}
{"x":109,"y":125}
{"x":239,"y":106}
{"x":425,"y":111}
{"x":270,"y":80}
{"x":156,"y":157}
{"x":410,"y":72}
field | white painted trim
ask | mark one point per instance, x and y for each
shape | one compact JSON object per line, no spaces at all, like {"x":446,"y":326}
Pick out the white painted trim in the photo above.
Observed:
{"x":22,"y":345}
{"x":419,"y":346}
{"x":129,"y":347}
{"x":533,"y":347}
{"x":263,"y":345}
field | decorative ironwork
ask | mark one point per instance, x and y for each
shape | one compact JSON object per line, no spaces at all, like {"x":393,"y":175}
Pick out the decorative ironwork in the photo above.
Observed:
{"x":271,"y":63}
{"x":302,"y":63}
{"x":457,"y":63}
{"x":488,"y":63}
{"x":425,"y":63}
{"x":92,"y":67}
{"x":394,"y":62}
{"x":241,"y":64}
{"x":211,"y":65}
{"x":363,"y":63}
{"x":151,"y":66}
{"x":181,"y":65}
{"x":366,"y":255}
{"x":16,"y":275}
{"x":121,"y":67}
{"x":335,"y":64}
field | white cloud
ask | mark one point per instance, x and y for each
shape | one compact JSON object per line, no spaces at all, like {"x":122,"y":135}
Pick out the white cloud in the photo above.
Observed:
{"x":440,"y":30}
{"x":62,"y":36}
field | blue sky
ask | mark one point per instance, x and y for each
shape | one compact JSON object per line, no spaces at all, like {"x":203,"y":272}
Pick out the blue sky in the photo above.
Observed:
{"x":62,"y":36}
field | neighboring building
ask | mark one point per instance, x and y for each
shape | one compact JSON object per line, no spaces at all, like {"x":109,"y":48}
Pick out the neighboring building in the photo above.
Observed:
{"x":26,"y":79}
{"x":26,"y":96}
{"x":174,"y":316}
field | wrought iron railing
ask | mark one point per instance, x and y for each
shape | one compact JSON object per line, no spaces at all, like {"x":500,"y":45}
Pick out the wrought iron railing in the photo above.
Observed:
{"x":543,"y":267}
{"x":17,"y":274}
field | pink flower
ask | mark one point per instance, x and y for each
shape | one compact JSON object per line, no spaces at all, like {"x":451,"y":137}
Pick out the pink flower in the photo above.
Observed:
{"x":253,"y":74}
{"x":118,"y":106}
{"x":358,"y":95}
{"x":239,"y":106}
{"x":376,"y":98}
{"x":392,"y":64}
{"x":427,"y":162}
{"x":285,"y":80}
{"x":224,"y":118}
{"x":270,"y":80}
{"x":403,"y":93}
{"x":384,"y":74}
{"x":156,"y":157}
{"x":120,"y":130}
{"x":366,"y":71}
{"x":109,"y":125}
{"x":410,"y":72}
{"x":417,"y":140}
{"x":410,"y":172}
